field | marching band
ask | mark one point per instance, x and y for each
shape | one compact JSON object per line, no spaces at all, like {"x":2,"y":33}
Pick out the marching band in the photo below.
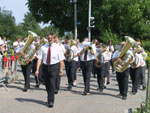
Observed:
{"x":48,"y":61}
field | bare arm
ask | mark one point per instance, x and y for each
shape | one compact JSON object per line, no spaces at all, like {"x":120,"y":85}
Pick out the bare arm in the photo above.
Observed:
{"x":1,"y":48}
{"x":93,"y":52}
{"x":37,"y":67}
{"x":61,"y":68}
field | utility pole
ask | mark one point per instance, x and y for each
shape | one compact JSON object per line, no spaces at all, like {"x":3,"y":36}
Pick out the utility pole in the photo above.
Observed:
{"x":89,"y":28}
{"x":75,"y":19}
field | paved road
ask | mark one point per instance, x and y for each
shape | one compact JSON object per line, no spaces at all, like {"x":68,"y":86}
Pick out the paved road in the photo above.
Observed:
{"x":16,"y":101}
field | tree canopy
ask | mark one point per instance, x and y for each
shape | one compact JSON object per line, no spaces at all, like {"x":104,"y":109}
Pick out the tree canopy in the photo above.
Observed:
{"x":116,"y":17}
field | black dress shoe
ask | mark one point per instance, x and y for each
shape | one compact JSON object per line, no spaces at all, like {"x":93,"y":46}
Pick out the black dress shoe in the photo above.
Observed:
{"x":84,"y":93}
{"x":100,"y":90}
{"x":124,"y":98}
{"x":25,"y":89}
{"x":108,"y":83}
{"x":56,"y":92}
{"x":133,"y":93}
{"x":50,"y":104}
{"x":69,"y":87}
{"x":105,"y":87}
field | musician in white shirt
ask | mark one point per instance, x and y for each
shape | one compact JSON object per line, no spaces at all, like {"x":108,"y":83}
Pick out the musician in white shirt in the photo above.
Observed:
{"x":16,"y":44}
{"x":52,"y":58}
{"x":122,"y":77}
{"x":143,"y":78}
{"x":26,"y":69}
{"x":100,"y":70}
{"x":110,"y":48}
{"x":136,"y":70}
{"x":70,"y":62}
{"x":1,"y":48}
{"x":107,"y":58}
{"x":87,"y":55}
{"x":58,"y":77}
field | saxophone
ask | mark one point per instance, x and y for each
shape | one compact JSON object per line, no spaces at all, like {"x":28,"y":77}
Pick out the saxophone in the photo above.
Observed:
{"x":120,"y":67}
{"x":30,"y":49}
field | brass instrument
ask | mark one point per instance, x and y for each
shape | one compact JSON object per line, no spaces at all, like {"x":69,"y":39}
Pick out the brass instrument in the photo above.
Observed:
{"x":29,"y":50}
{"x":89,"y":48}
{"x":69,"y":55}
{"x":69,"y":52}
{"x":137,"y":60}
{"x":120,"y":67}
{"x":98,"y":63}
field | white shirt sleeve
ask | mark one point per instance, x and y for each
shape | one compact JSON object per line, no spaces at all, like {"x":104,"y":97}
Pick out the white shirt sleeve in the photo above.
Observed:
{"x":40,"y":55}
{"x":115,"y":55}
{"x":60,"y":55}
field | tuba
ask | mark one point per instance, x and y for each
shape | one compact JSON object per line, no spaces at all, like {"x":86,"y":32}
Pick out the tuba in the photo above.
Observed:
{"x":30,"y":49}
{"x":120,"y":67}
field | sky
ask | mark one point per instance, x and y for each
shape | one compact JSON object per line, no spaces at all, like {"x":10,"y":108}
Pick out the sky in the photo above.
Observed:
{"x":18,"y":8}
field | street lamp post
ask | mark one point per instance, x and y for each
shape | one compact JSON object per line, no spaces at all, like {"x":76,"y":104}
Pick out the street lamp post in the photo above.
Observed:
{"x":75,"y":19}
{"x":89,"y":28}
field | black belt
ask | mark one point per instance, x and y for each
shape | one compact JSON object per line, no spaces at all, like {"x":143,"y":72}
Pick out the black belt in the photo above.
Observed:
{"x":47,"y":65}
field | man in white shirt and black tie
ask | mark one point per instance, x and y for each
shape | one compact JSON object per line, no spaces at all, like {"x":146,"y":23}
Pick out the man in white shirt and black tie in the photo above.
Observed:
{"x":87,"y":56}
{"x":52,"y":58}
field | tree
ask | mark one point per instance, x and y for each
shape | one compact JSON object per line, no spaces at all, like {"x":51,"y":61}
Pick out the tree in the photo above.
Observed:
{"x":7,"y":24}
{"x":30,"y":23}
{"x":120,"y":17}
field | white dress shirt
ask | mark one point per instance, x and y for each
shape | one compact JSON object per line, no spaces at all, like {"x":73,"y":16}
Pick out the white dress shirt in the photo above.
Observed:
{"x":56,"y":54}
{"x":76,"y":51}
{"x":144,"y":55}
{"x":116,"y":54}
{"x":61,"y":47}
{"x":110,"y":48}
{"x":89,"y":55}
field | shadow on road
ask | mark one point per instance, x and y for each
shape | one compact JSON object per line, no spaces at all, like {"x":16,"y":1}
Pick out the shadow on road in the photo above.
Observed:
{"x":30,"y":100}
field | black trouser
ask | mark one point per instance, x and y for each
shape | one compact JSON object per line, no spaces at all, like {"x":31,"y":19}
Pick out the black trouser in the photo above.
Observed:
{"x":39,"y":78}
{"x":93,"y":68}
{"x":107,"y":68}
{"x":50,"y":72}
{"x":142,"y":78}
{"x":75,"y":72}
{"x":57,"y":87}
{"x":70,"y":70}
{"x":122,"y":79}
{"x":100,"y":76}
{"x":112,"y":65}
{"x":26,"y":70}
{"x":86,"y":67}
{"x":135,"y":74}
